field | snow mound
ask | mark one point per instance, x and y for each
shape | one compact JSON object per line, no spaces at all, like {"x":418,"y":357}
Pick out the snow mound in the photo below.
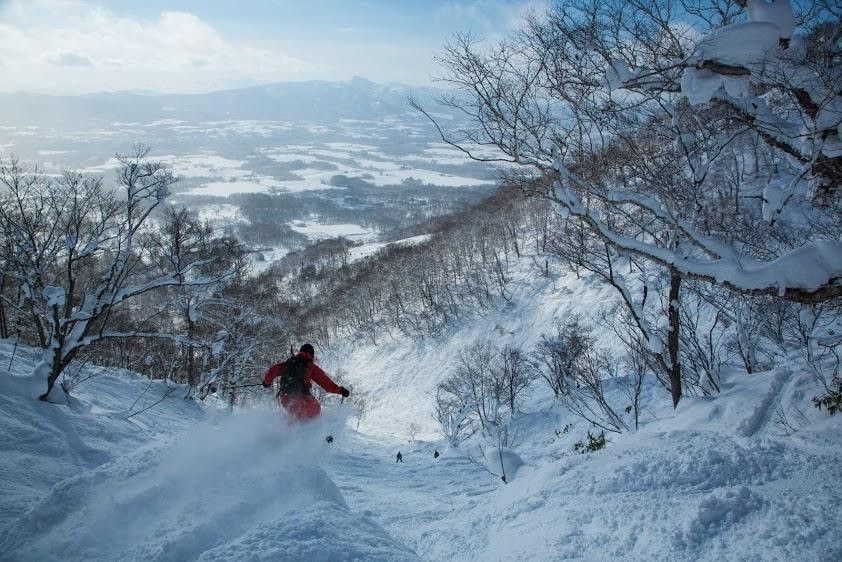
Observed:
{"x":719,"y":479}
{"x":42,"y":444}
{"x":776,"y":12}
{"x":321,"y":531}
{"x":503,"y":461}
{"x":738,"y":44}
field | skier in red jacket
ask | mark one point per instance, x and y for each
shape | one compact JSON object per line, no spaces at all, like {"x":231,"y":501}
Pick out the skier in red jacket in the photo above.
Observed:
{"x":297,"y":375}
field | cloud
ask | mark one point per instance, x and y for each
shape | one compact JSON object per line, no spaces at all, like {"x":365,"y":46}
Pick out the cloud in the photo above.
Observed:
{"x":471,"y":14}
{"x":80,"y":46}
{"x":44,"y":44}
{"x":71,"y":59}
{"x":489,"y":16}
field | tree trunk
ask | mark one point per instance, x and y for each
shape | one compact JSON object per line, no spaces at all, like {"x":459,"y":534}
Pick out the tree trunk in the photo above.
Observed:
{"x":673,"y":339}
{"x":192,"y":378}
{"x":4,"y":325}
{"x":55,"y":371}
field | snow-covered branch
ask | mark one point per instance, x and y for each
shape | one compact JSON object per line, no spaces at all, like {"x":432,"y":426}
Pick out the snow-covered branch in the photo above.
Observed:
{"x":811,"y":273}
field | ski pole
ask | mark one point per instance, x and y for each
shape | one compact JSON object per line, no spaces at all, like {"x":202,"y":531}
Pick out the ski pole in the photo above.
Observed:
{"x":214,"y":388}
{"x":14,"y":349}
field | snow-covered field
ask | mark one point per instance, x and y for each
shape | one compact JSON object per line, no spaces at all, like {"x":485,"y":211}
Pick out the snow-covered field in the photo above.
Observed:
{"x":318,"y":231}
{"x":368,"y":250}
{"x":226,"y":188}
{"x":369,"y":163}
{"x":366,"y":162}
{"x":216,"y":153}
{"x":228,"y":176}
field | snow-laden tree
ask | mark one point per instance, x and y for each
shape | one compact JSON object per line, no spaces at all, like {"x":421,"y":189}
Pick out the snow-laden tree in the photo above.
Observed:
{"x":480,"y":396}
{"x":80,"y":254}
{"x":683,"y":140}
{"x":453,"y":413}
{"x":182,"y":243}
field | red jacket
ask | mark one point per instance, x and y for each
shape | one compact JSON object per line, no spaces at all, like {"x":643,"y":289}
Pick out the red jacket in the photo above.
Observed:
{"x":313,"y":373}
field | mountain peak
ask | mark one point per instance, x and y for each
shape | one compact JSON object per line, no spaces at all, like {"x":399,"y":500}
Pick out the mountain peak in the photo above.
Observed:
{"x":359,"y":81}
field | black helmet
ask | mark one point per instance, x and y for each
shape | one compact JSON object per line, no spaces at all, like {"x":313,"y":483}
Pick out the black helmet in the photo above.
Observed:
{"x":307,"y":348}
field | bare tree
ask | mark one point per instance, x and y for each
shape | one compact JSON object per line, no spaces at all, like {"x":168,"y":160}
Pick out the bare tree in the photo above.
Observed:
{"x":514,"y":373}
{"x":361,"y":403}
{"x":414,"y":428}
{"x":481,"y":395}
{"x":637,"y":367}
{"x":559,"y":354}
{"x":571,"y":364}
{"x":179,"y":242}
{"x":77,"y":251}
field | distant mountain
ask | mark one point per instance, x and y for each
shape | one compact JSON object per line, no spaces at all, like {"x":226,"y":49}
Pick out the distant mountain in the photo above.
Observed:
{"x":312,"y":101}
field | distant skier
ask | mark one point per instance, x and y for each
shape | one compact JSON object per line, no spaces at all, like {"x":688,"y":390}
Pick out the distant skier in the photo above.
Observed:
{"x":296,"y":377}
{"x":399,"y":458}
{"x":436,"y":454}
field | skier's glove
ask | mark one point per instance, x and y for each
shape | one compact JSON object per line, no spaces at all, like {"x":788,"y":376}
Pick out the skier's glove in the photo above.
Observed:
{"x":266,"y":384}
{"x":344,"y":392}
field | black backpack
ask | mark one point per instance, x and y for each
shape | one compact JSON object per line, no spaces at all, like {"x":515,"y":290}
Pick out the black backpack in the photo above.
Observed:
{"x":292,"y":379}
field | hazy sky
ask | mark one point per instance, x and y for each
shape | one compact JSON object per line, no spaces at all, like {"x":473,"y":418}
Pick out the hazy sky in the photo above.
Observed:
{"x":80,"y":46}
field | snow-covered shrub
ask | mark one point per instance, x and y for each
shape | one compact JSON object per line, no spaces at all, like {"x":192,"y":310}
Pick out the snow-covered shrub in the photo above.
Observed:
{"x":591,"y":444}
{"x":575,"y":368}
{"x":453,"y":413}
{"x":832,"y":399}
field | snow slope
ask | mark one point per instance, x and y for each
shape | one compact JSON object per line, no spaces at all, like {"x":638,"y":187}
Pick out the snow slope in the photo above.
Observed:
{"x":720,"y":478}
{"x":386,"y":369}
{"x":43,"y":444}
{"x":717,"y":479}
{"x":177,"y":482}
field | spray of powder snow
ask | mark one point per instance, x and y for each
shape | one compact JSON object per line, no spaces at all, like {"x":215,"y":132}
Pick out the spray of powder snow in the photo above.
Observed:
{"x":172,"y":501}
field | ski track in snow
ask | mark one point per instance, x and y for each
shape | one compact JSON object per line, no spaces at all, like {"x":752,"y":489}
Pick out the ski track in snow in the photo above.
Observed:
{"x":688,"y":495}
